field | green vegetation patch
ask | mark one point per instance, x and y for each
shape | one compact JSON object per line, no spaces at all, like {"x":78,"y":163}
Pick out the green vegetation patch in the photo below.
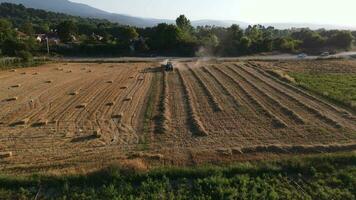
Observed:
{"x":149,"y":112}
{"x":330,"y":176}
{"x":340,"y":88}
{"x":6,"y":64}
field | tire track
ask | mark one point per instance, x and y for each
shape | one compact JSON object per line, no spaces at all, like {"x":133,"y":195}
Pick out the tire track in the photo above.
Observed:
{"x":179,"y":108}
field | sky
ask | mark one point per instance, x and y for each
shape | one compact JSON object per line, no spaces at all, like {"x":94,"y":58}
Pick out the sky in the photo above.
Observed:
{"x":337,"y":12}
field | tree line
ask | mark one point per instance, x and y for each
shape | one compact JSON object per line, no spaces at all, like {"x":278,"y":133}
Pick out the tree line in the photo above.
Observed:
{"x":78,"y":36}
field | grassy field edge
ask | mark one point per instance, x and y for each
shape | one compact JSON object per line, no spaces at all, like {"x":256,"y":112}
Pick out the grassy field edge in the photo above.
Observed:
{"x":324,"y":176}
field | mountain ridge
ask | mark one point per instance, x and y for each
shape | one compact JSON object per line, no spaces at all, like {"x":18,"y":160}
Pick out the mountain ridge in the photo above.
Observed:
{"x":83,"y":10}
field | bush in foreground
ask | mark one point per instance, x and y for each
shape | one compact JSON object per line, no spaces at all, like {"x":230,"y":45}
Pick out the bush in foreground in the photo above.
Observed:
{"x":319,"y":177}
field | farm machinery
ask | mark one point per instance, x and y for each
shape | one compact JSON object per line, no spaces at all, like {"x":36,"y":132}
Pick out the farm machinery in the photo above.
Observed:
{"x":168,"y":66}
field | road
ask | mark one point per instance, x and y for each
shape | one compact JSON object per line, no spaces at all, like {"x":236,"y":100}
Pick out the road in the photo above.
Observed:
{"x":160,"y":59}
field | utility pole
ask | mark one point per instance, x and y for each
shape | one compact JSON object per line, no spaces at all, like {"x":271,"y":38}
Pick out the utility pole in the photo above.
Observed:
{"x":47,"y":45}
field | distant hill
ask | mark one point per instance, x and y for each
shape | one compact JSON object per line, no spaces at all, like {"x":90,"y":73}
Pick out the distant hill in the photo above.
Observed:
{"x":83,"y":10}
{"x":77,"y":9}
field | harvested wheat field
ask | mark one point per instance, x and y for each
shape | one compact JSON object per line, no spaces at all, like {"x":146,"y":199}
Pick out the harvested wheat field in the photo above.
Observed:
{"x":79,"y":117}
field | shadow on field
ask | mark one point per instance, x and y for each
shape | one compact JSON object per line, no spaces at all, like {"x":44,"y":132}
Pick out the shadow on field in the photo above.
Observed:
{"x":83,"y":138}
{"x":157,"y":69}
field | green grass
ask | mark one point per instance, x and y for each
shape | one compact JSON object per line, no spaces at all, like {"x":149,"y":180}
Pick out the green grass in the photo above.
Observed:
{"x":149,"y":112}
{"x":6,"y":64}
{"x":340,"y":88}
{"x":323,"y":177}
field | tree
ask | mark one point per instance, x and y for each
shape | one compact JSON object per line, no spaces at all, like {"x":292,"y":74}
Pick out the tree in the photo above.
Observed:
{"x":43,"y":28}
{"x":8,"y":41}
{"x":183,"y":23}
{"x":12,"y":46}
{"x":129,"y":33}
{"x":341,"y":39}
{"x":25,"y":56}
{"x":186,"y":30}
{"x":27,"y":28}
{"x":255,"y":33}
{"x":244,"y":45}
{"x":286,"y":44}
{"x":231,"y":40}
{"x":164,"y":37}
{"x":209,"y":43}
{"x":86,"y":28}
{"x":311,"y":40}
{"x":5,"y":25}
{"x":5,"y":30}
{"x":66,"y":30}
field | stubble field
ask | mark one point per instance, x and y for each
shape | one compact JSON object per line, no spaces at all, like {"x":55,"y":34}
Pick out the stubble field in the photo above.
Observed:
{"x":80,"y":117}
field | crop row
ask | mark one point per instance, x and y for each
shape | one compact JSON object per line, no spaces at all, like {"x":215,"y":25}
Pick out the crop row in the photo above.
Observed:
{"x":277,"y":122}
{"x":294,"y":116}
{"x":310,"y":109}
{"x":299,"y":91}
{"x":213,"y":101}
{"x":197,"y":126}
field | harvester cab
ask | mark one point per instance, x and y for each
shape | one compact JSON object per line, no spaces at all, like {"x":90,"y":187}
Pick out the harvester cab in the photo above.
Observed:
{"x":168,"y":66}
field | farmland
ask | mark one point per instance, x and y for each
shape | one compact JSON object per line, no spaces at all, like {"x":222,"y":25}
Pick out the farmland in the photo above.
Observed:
{"x":80,"y":117}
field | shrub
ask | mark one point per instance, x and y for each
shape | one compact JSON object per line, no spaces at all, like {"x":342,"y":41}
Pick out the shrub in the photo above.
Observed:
{"x":25,"y":56}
